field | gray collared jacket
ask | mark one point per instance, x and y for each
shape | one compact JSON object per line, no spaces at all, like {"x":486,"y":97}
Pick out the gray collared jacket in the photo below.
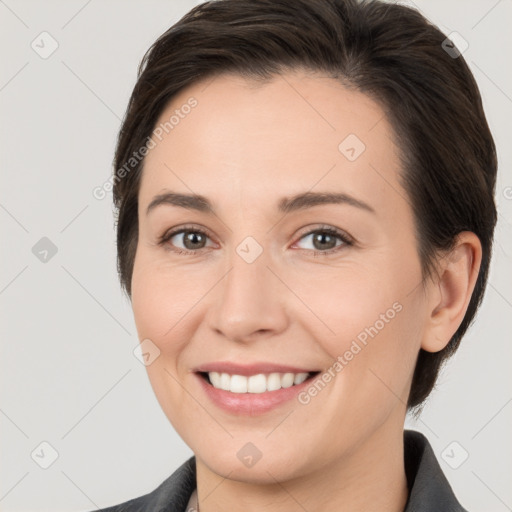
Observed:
{"x":429,"y":490}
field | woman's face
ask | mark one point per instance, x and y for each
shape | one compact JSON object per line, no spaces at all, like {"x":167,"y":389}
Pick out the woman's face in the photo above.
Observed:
{"x":262,"y":289}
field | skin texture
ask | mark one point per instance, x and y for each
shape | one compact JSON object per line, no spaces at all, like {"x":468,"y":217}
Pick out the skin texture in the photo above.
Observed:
{"x":245,"y":146}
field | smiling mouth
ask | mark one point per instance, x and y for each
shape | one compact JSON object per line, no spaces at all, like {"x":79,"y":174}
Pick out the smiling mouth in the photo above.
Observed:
{"x":255,"y":384}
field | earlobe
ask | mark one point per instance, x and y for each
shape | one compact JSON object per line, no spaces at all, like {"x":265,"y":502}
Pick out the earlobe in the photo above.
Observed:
{"x":449,"y":296}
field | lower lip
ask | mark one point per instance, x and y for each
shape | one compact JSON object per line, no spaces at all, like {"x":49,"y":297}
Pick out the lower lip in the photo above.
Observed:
{"x":251,"y":404}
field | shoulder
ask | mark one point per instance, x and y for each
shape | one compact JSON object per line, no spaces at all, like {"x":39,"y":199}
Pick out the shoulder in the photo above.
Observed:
{"x":172,"y":494}
{"x":429,"y":488}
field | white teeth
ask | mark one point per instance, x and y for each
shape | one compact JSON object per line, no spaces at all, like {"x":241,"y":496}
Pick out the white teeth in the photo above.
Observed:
{"x":273,"y":382}
{"x":300,"y":378}
{"x":287,"y":380}
{"x":238,"y":384}
{"x":225,"y":380}
{"x":255,"y":383}
{"x":215,"y":379}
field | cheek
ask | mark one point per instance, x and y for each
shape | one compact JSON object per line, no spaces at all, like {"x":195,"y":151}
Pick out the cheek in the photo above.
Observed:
{"x":161,"y":298}
{"x":371,"y":326}
{"x":346,"y":302}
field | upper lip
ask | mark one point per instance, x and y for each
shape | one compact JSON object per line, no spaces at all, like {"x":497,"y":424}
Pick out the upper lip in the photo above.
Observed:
{"x":250,"y":369}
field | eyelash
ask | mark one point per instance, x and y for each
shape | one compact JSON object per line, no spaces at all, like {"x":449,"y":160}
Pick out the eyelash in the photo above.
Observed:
{"x":347,"y":241}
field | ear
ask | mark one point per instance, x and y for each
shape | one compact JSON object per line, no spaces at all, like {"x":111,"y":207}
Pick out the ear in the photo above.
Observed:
{"x":450,"y":292}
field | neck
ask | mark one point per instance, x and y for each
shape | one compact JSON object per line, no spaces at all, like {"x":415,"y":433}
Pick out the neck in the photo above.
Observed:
{"x":372,"y":477}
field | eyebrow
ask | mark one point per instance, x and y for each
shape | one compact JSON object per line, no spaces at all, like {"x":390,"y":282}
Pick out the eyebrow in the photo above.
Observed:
{"x":294,"y":203}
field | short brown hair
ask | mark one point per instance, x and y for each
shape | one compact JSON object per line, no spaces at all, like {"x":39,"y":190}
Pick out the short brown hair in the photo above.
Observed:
{"x":388,"y":51}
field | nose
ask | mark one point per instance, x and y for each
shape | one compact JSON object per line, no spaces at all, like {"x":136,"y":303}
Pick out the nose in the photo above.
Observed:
{"x":250,"y":301}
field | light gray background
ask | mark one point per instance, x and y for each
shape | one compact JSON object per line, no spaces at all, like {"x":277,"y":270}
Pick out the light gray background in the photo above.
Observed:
{"x":69,"y":376}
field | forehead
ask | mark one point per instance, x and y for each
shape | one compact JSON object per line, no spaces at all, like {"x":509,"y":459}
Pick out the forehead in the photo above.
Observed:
{"x":296,"y":132}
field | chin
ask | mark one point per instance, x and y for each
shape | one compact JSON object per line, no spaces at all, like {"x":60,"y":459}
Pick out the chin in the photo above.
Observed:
{"x":249,"y":464}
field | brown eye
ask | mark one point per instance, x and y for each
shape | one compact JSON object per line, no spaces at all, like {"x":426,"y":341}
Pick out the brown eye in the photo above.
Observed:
{"x":185,"y":241}
{"x":192,"y":239}
{"x":326,"y":240}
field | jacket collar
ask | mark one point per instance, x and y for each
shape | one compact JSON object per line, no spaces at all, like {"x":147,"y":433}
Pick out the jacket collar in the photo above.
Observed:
{"x":428,"y":487}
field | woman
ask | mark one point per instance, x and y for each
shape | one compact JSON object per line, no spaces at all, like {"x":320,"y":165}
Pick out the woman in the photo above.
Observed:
{"x":257,"y":132}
